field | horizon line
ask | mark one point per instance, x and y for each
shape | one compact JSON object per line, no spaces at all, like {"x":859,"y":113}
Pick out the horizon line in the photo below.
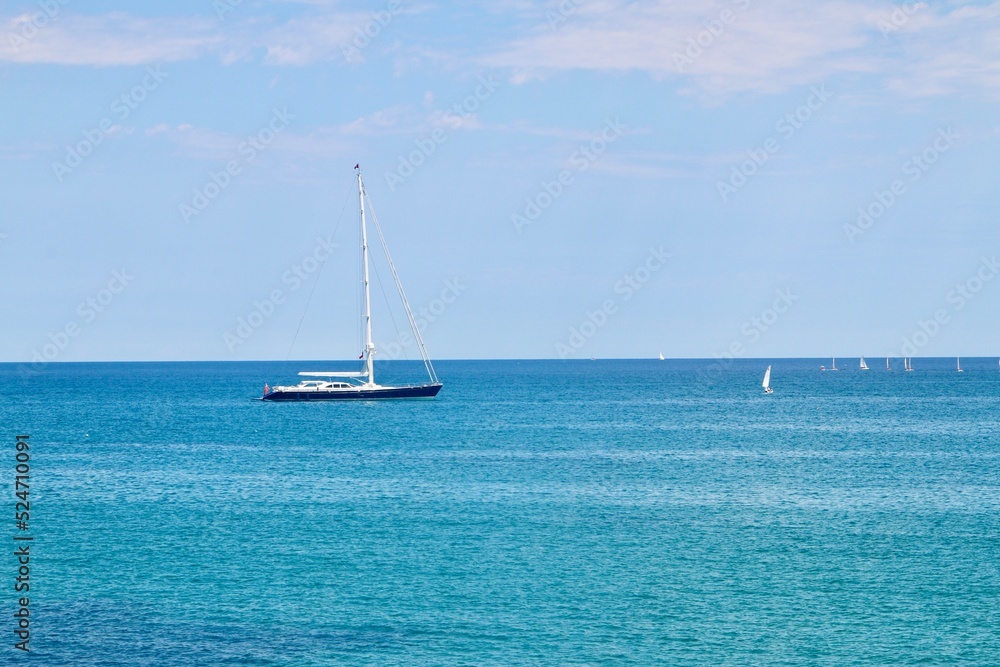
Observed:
{"x":348,"y":361}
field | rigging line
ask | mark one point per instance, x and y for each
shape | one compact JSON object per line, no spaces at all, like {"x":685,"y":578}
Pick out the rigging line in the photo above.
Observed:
{"x":318,"y":274}
{"x":402,"y":297}
{"x":388,"y":307}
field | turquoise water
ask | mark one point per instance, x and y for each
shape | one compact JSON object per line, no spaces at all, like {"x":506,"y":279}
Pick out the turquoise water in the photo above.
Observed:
{"x":536,"y":512}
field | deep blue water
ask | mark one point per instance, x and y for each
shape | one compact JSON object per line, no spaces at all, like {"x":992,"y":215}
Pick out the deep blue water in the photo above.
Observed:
{"x":537,"y":512}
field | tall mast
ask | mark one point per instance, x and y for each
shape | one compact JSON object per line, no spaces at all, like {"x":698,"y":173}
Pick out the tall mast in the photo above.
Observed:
{"x":369,"y":345}
{"x":406,"y":305}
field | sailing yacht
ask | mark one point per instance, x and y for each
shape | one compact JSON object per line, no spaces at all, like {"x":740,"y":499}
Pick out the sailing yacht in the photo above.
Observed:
{"x":864,"y":366}
{"x":907,"y":365}
{"x":887,"y":367}
{"x":767,"y":381}
{"x":361,"y":385}
{"x":661,"y":356}
{"x":958,"y":360}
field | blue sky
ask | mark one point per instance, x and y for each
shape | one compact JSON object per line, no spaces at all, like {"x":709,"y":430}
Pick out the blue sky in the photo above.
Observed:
{"x":580,"y":179}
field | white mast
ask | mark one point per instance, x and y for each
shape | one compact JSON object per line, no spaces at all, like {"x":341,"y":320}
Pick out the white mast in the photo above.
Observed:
{"x":406,"y":304}
{"x":369,"y":345}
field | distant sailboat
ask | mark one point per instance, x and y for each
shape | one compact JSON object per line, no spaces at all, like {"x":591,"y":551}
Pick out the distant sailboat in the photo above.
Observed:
{"x":661,"y":356}
{"x":887,"y":367}
{"x":767,"y":381}
{"x":907,"y":365}
{"x":864,"y":366}
{"x":834,"y":366}
{"x":958,"y":360}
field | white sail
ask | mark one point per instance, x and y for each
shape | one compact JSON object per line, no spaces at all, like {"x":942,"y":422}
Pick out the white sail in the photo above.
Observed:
{"x":767,"y":380}
{"x":661,"y":356}
{"x":887,"y":364}
{"x":958,"y":360}
{"x":864,"y":366}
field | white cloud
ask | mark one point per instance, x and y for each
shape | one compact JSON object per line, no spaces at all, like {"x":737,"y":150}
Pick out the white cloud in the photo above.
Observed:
{"x":764,"y":47}
{"x":110,"y":39}
{"x":24,"y":150}
{"x":208,"y":144}
{"x":713,"y":49}
{"x":124,"y":39}
{"x":315,"y":39}
{"x":395,"y":119}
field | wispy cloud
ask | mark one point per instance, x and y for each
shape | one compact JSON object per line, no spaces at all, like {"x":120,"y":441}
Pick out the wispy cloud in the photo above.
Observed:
{"x":110,"y":39}
{"x":761,"y":47}
{"x":954,"y":52}
{"x":305,"y":41}
{"x":212,"y":145}
{"x":764,"y":48}
{"x":24,"y":150}
{"x":396,"y":120}
{"x":125,"y":39}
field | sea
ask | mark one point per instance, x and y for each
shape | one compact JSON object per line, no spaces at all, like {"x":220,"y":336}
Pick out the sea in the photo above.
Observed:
{"x":580,"y":512}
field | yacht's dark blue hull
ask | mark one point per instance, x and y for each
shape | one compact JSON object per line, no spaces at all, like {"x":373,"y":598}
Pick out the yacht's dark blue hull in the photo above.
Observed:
{"x":422,"y":391}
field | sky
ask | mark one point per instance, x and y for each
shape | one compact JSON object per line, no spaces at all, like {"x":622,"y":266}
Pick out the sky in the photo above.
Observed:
{"x":574,"y":179}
